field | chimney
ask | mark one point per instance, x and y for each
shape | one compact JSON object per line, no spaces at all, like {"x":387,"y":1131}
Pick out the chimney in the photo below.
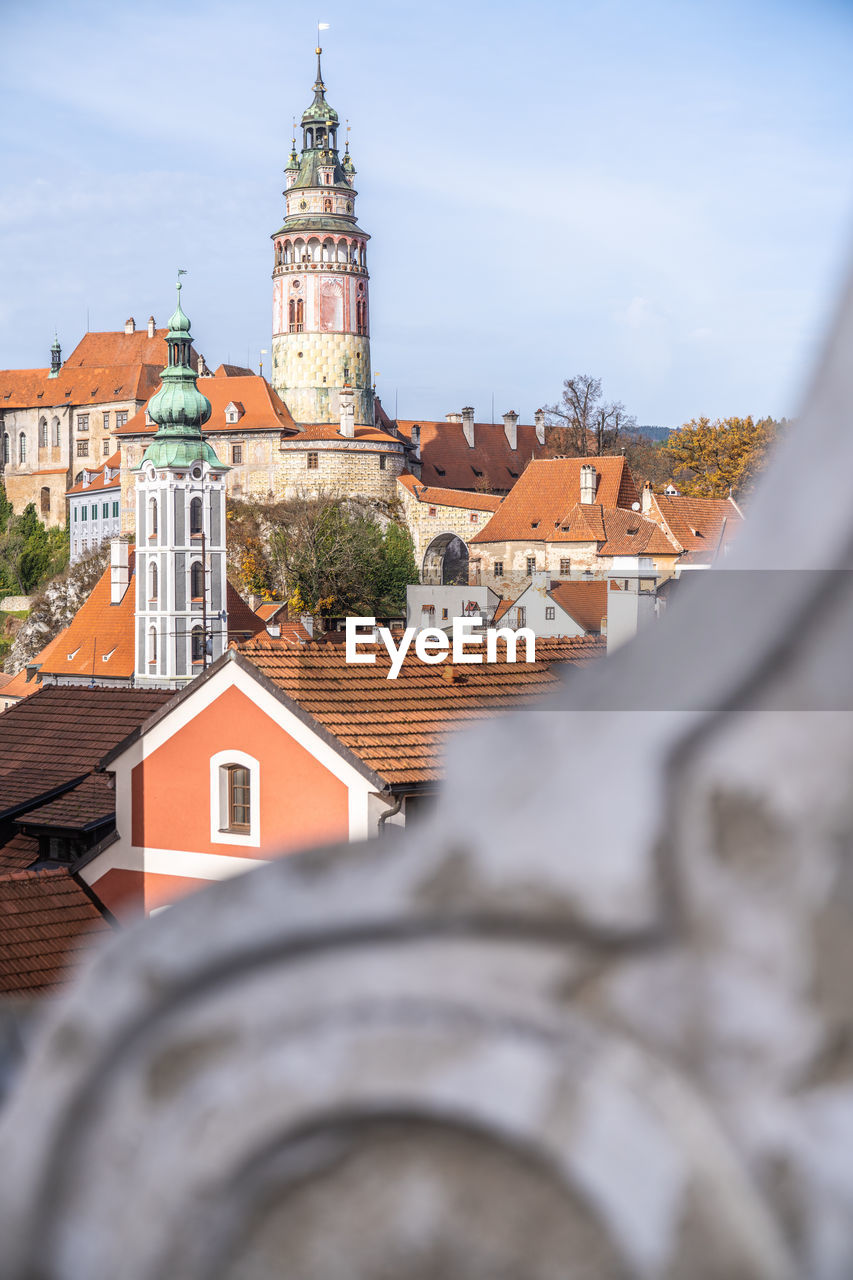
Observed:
{"x":541,"y":580}
{"x":453,"y":417}
{"x":588,"y":482}
{"x":307,"y":621}
{"x":130,"y":325}
{"x":203,"y":371}
{"x":119,"y":570}
{"x":511,"y":428}
{"x":539,"y":423}
{"x":150,"y":326}
{"x":468,"y":425}
{"x":347,"y":413}
{"x":647,"y":498}
{"x":416,"y":439}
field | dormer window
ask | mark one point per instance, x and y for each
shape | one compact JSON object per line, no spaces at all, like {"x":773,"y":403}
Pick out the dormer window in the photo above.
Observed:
{"x":233,"y":412}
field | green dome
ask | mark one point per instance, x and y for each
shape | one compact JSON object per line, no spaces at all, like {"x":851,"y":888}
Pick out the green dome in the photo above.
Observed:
{"x":320,"y":112}
{"x":179,"y":408}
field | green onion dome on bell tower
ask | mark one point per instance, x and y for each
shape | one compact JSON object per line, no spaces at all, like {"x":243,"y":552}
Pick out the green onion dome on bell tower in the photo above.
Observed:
{"x":179,"y":409}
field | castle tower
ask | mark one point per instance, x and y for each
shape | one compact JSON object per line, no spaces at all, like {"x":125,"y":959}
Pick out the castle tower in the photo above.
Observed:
{"x":321,"y":334}
{"x":181,"y":602}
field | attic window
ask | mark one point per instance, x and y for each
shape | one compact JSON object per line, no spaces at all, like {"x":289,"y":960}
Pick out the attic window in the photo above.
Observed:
{"x":39,"y":395}
{"x":476,"y":471}
{"x":94,"y":391}
{"x":514,"y":474}
{"x":106,"y":656}
{"x":697,"y":533}
{"x":440,"y":471}
{"x":534,"y":524}
{"x":68,"y":392}
{"x":116,"y":390}
{"x":634,"y":529}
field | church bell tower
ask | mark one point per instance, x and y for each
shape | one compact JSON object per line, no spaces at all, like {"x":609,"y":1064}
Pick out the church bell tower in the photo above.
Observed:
{"x":321,"y":324}
{"x":181,"y":600}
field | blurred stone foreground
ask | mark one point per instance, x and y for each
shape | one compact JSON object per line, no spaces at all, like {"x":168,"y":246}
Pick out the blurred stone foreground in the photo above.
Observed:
{"x":592,"y":1019}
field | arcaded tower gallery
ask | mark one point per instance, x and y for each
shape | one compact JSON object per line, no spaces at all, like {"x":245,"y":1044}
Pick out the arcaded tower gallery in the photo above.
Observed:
{"x":321,"y":336}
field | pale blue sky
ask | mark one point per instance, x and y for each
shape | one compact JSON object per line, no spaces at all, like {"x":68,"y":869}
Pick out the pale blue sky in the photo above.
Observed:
{"x":656,"y":192}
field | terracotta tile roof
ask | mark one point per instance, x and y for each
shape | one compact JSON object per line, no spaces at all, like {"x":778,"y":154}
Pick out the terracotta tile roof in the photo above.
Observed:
{"x":18,"y":853}
{"x":501,"y":610}
{"x":61,"y":732}
{"x":24,"y":784}
{"x":233,"y":371}
{"x":48,"y":922}
{"x":114,"y":347}
{"x":103,"y":367}
{"x":585,"y":602}
{"x":264,"y":411}
{"x":447,"y":460}
{"x":542,"y":501}
{"x":434,"y":497}
{"x":5,"y":679}
{"x":242,"y":621}
{"x":397,"y":727}
{"x":697,"y":524}
{"x":99,"y":478}
{"x":269,"y":610}
{"x":627,"y":533}
{"x":332,"y":431}
{"x":90,"y":804}
{"x":28,"y":679}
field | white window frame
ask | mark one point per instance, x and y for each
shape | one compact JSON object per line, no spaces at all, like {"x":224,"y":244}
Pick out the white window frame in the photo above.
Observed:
{"x":219,"y":799}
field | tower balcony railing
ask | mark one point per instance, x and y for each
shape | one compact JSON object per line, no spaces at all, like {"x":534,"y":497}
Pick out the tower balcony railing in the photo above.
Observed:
{"x":351,"y":267}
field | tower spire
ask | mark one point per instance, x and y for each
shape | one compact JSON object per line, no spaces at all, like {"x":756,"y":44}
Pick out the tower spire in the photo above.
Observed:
{"x":318,"y":83}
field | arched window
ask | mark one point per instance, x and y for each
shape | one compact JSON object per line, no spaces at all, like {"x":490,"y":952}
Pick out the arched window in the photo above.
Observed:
{"x":196,"y":580}
{"x":22,"y":448}
{"x":291,"y":315}
{"x":152,"y":645}
{"x":42,"y":433}
{"x":152,"y":582}
{"x":5,"y":446}
{"x":55,"y":430}
{"x":327,"y":205}
{"x":239,"y":797}
{"x":197,"y":646}
{"x":195,"y":518}
{"x":152,"y":519}
{"x":300,"y":314}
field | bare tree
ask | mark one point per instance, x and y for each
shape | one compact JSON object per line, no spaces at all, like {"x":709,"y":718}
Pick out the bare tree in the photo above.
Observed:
{"x":583,"y":423}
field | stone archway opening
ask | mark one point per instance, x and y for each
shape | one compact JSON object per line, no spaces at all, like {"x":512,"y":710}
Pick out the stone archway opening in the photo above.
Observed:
{"x":446,"y":561}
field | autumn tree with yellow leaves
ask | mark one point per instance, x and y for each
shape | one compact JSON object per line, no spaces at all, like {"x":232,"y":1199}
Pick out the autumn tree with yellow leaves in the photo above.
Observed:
{"x":714,"y":459}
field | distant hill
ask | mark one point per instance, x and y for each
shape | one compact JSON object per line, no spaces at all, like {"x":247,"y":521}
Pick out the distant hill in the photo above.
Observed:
{"x":661,"y":434}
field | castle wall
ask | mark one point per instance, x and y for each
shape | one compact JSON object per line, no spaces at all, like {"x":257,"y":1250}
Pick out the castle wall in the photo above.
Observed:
{"x":308,"y":373}
{"x":424,"y":528}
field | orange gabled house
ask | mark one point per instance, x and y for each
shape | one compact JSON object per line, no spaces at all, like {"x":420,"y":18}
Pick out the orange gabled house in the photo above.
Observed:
{"x":281,"y":746}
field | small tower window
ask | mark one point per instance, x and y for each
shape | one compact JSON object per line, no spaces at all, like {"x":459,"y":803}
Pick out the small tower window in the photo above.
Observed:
{"x":152,"y":519}
{"x":197,"y":646}
{"x":43,"y":433}
{"x":313,"y":461}
{"x":152,"y":646}
{"x":197,"y":580}
{"x":195,"y":518}
{"x":382,"y":461}
{"x":152,"y":583}
{"x":22,"y":448}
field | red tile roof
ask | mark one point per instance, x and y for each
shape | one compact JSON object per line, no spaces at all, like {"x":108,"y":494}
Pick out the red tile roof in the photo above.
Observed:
{"x":61,"y":732}
{"x":540,"y":506}
{"x":49,"y":920}
{"x":397,"y":727}
{"x":18,"y":853}
{"x":270,"y":609}
{"x":704,"y":527}
{"x":233,"y":371}
{"x":28,"y":679}
{"x":264,"y":411}
{"x":434,"y":497}
{"x":99,"y":476}
{"x":585,"y":602}
{"x":103,"y":367}
{"x":446,"y":458}
{"x":90,"y":804}
{"x":332,"y":431}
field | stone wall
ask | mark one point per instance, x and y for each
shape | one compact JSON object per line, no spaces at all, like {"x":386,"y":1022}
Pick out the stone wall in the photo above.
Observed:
{"x":308,"y":372}
{"x":425,"y":527}
{"x":583,"y":557}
